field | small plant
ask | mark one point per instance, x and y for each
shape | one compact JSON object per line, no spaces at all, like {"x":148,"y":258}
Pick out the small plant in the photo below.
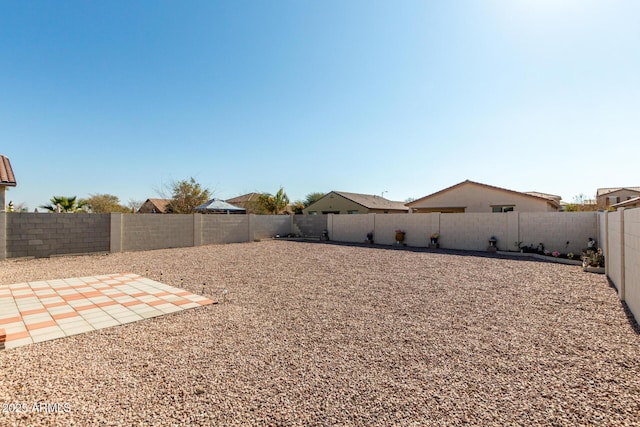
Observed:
{"x":555,"y":254}
{"x":593,"y":258}
{"x":370,"y":237}
{"x":570,"y":255}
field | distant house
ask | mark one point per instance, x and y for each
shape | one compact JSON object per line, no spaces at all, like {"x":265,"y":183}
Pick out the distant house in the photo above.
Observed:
{"x":340,"y":202}
{"x":7,"y":179}
{"x":248,"y":201}
{"x":607,"y":197}
{"x":470,"y":196}
{"x":628,"y":204}
{"x":154,"y":206}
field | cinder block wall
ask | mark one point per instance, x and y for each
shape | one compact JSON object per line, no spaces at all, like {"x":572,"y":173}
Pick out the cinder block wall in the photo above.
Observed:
{"x":385,"y":226}
{"x":218,"y":229}
{"x":555,"y":229}
{"x":265,"y":226}
{"x":471,"y":231}
{"x":350,"y":228}
{"x":46,"y":234}
{"x":614,"y":245}
{"x":3,"y":235}
{"x":632,"y":260}
{"x":310,"y":225}
{"x":142,"y":232}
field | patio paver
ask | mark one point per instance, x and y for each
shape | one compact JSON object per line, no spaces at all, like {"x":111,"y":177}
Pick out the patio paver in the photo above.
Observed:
{"x":45,"y":310}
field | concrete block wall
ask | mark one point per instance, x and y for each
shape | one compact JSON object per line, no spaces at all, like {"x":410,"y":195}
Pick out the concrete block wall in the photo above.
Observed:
{"x":601,"y":220}
{"x":265,"y":226}
{"x":3,"y":235}
{"x":349,"y":228}
{"x":472,"y":231}
{"x":620,"y":230}
{"x":555,"y":229}
{"x":219,"y":229}
{"x":141,"y":232}
{"x":46,"y":234}
{"x":309,"y":225}
{"x":613,"y":257}
{"x":632,"y":260}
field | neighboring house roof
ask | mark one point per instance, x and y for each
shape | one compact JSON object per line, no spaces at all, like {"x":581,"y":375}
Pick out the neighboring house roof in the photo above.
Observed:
{"x":249,"y":197}
{"x":248,"y":201}
{"x":371,"y":201}
{"x":631,"y":203}
{"x":551,"y":201}
{"x":544,"y":195}
{"x":604,"y":191}
{"x":159,"y":205}
{"x":218,"y":206}
{"x":7,"y":178}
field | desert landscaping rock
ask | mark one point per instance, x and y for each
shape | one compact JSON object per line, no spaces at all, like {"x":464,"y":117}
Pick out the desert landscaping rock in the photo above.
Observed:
{"x":322,"y":334}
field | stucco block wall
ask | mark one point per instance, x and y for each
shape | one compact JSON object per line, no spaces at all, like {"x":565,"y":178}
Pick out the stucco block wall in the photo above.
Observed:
{"x":44,"y":234}
{"x":142,"y":232}
{"x":219,"y":229}
{"x":614,"y":245}
{"x":555,"y":229}
{"x":265,"y":226}
{"x":632,"y":259}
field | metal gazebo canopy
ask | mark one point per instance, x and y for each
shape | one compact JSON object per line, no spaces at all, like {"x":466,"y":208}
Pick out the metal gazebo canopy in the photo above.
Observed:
{"x":218,"y":206}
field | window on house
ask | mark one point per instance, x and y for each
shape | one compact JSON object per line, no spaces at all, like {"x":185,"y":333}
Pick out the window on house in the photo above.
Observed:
{"x":352,"y":212}
{"x":313,"y":212}
{"x":502,"y":208}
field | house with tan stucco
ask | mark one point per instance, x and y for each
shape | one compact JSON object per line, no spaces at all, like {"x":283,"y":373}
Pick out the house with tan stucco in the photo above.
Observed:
{"x":341,"y":202}
{"x":606,"y":198}
{"x":627,"y":204}
{"x":470,"y":196}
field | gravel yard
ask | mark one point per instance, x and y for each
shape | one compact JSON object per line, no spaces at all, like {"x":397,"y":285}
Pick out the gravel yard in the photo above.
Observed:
{"x":322,"y":334}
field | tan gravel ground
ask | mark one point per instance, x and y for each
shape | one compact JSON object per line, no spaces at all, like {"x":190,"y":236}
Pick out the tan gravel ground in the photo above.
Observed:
{"x":321,"y":334}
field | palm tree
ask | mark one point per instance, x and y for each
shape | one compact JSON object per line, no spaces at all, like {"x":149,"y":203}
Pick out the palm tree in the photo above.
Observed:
{"x":64,"y":204}
{"x":274,"y":204}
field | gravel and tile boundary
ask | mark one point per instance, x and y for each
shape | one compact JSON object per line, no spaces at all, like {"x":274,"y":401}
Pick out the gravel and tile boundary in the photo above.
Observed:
{"x":319,"y":334}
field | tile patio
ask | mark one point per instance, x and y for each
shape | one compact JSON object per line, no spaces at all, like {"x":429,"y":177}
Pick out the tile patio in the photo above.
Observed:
{"x":45,"y":310}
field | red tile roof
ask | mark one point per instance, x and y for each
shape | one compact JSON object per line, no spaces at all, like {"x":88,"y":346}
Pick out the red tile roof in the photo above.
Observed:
{"x":7,"y":179}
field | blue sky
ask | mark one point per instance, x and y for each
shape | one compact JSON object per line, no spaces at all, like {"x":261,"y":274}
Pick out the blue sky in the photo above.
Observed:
{"x":402,"y":97}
